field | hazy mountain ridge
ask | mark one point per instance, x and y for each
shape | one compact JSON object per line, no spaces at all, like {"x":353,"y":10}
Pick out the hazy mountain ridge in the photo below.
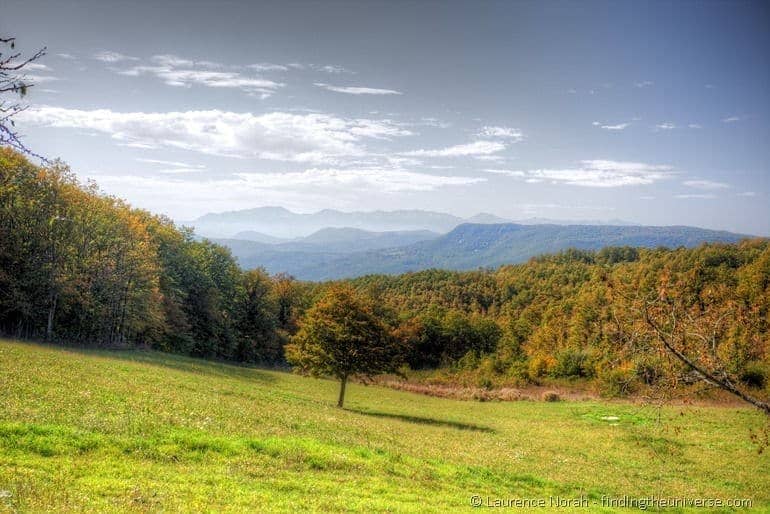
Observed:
{"x":283,"y":223}
{"x":278,"y":224}
{"x":322,"y":246}
{"x":468,"y":246}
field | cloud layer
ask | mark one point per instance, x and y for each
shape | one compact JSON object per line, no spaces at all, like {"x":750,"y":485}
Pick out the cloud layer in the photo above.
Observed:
{"x":357,"y":90}
{"x":280,"y":136}
{"x":179,"y":72}
{"x":309,"y":189}
{"x":465,"y":150}
{"x":595,"y":173}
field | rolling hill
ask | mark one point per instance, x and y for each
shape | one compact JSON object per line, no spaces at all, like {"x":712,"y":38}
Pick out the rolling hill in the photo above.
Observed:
{"x":323,"y":246}
{"x":137,"y":431}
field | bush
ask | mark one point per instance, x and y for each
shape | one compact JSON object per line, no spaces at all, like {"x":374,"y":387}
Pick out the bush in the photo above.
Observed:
{"x":485,"y":382}
{"x":539,"y":367}
{"x":618,"y":382}
{"x":518,"y":370}
{"x":551,"y":396}
{"x":649,"y":370}
{"x":755,"y":374}
{"x":572,"y":363}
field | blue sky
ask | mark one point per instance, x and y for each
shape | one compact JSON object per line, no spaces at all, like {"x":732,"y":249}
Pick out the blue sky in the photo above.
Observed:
{"x":652,"y":112}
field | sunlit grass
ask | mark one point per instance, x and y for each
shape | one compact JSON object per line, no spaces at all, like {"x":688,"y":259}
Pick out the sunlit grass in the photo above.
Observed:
{"x":88,"y":431}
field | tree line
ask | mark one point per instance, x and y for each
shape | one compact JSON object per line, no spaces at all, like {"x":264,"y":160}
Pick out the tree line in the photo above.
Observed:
{"x":78,"y":266}
{"x":83,"y":267}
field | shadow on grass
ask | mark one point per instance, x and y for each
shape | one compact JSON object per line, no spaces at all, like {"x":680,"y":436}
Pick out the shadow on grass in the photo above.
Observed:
{"x":425,"y":421}
{"x":167,"y":360}
{"x":193,"y":364}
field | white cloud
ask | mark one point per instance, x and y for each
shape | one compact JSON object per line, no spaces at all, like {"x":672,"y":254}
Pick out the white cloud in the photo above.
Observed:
{"x":276,"y":136}
{"x":329,"y":68}
{"x":596,"y":173}
{"x":697,"y":196}
{"x":174,"y":167}
{"x":748,"y":193}
{"x":113,"y":57}
{"x":39,"y":79}
{"x":381,"y":179}
{"x":513,"y":134}
{"x":433,"y":122}
{"x":268,"y":66}
{"x":325,"y":68}
{"x":665,"y":126}
{"x":733,"y":119}
{"x":358,"y":90}
{"x":694,"y":126}
{"x":705,"y":184}
{"x":312,"y":188}
{"x":469,"y":149}
{"x":36,"y":66}
{"x":510,"y":173}
{"x":181,"y":72}
{"x":645,"y":83}
{"x":619,"y":126}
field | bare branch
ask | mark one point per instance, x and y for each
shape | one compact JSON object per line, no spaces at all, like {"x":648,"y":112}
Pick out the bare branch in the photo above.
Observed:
{"x":13,"y":81}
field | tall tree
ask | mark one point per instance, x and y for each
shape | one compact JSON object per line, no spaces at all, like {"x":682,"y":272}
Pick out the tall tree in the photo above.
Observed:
{"x":256,"y":314}
{"x":343,"y":336}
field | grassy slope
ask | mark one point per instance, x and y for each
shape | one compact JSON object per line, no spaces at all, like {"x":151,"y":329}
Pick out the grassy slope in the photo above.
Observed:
{"x":109,"y":431}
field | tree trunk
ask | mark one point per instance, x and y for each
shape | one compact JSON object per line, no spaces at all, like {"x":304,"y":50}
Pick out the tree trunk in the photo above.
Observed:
{"x":343,"y":383}
{"x":51,"y":313}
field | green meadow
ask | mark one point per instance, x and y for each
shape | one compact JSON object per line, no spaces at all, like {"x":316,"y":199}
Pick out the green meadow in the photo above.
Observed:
{"x":107,"y":431}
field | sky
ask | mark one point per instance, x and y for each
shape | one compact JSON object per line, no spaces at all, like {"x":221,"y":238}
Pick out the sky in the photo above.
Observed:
{"x":650,"y":112}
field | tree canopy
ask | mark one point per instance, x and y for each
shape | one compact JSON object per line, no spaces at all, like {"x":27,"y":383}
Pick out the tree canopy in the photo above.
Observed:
{"x":343,"y":336}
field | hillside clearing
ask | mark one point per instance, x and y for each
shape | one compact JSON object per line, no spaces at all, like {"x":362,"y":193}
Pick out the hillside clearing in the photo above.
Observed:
{"x":88,"y":431}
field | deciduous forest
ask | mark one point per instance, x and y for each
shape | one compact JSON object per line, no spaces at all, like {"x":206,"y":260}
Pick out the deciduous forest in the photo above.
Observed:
{"x":78,"y":266}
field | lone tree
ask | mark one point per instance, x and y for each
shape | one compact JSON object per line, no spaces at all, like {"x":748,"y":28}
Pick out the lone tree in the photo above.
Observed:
{"x":13,"y":82}
{"x":342,"y":335}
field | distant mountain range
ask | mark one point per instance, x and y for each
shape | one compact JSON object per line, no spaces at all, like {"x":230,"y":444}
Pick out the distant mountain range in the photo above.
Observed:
{"x":332,"y":241}
{"x":276,"y":224}
{"x":341,"y":253}
{"x":283,"y":223}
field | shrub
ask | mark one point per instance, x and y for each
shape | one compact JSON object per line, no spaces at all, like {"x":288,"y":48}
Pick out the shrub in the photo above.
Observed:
{"x":551,"y":396}
{"x":754,"y":374}
{"x":518,"y":370}
{"x":649,"y":370}
{"x":539,"y":367}
{"x":618,"y":382}
{"x":485,"y":382}
{"x":572,"y":363}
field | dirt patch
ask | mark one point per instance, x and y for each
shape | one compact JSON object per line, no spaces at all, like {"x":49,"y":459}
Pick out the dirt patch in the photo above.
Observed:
{"x":506,"y":394}
{"x":581,"y":392}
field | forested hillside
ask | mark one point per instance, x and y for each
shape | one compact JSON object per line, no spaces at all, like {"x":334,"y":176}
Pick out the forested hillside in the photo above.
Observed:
{"x":585,"y":314}
{"x":467,"y":247}
{"x":79,"y":266}
{"x":85,"y":268}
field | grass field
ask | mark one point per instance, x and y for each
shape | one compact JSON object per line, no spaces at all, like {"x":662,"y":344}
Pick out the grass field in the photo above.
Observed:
{"x":93,"y":431}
